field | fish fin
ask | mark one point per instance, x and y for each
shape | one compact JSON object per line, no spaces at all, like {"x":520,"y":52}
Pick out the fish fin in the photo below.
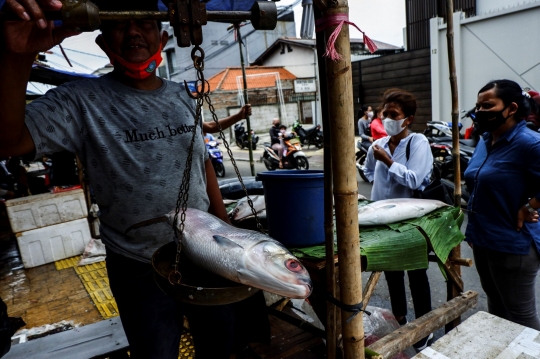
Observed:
{"x":388,"y":206}
{"x":226,"y":242}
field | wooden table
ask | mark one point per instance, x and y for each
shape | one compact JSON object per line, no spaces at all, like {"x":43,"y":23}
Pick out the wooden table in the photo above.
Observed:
{"x":485,"y":336}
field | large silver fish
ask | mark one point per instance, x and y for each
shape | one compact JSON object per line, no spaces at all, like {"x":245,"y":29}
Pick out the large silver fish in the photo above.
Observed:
{"x":396,"y":210}
{"x":243,"y":256}
{"x":242,"y":210}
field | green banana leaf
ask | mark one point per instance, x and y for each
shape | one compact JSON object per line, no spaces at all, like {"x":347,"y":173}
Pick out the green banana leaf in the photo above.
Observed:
{"x":403,"y":245}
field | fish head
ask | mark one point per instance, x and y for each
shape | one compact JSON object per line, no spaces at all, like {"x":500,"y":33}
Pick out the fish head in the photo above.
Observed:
{"x":276,"y":270}
{"x":243,"y":209}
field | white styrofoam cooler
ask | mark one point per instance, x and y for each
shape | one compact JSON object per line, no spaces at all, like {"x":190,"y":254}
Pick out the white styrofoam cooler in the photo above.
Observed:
{"x":48,"y":244}
{"x":46,"y":209}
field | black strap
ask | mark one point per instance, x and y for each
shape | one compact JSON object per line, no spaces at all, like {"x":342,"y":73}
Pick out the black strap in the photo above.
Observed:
{"x":408,"y":149}
{"x":355,"y":309}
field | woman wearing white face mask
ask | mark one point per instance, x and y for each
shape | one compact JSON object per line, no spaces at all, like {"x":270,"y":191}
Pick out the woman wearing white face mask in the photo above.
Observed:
{"x":396,"y":174}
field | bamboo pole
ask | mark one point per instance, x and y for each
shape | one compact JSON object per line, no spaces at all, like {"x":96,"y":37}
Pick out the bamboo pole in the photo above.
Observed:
{"x":452,"y":289}
{"x":248,"y":123}
{"x":345,"y":189}
{"x":331,"y":310}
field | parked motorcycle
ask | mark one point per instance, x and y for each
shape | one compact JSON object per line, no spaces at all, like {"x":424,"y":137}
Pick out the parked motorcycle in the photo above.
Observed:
{"x":312,"y":136}
{"x":294,"y":158}
{"x":361,"y":154}
{"x":216,"y":157}
{"x":241,"y":137}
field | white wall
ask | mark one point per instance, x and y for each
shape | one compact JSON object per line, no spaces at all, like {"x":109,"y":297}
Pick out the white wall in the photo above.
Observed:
{"x":262,"y":116}
{"x":487,"y":47}
{"x":485,"y":6}
{"x":300,"y":62}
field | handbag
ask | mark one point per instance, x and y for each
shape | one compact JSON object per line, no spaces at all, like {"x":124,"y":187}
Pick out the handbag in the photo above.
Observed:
{"x":435,"y":189}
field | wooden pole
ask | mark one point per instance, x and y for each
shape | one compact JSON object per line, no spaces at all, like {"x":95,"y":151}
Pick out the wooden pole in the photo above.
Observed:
{"x":331,"y":310}
{"x":452,"y":289}
{"x":345,"y":186}
{"x":245,"y":93}
{"x":412,"y":332}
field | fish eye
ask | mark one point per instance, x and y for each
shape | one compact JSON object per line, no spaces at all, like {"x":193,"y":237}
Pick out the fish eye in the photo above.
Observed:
{"x":293,"y":265}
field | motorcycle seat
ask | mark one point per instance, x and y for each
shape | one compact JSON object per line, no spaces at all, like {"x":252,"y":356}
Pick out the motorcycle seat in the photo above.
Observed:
{"x":267,"y":144}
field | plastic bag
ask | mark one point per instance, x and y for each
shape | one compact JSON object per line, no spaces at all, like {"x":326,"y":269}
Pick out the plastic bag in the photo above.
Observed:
{"x":93,"y":252}
{"x":380,"y":323}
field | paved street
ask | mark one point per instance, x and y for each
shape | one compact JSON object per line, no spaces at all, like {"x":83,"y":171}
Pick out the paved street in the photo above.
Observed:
{"x":381,"y":297}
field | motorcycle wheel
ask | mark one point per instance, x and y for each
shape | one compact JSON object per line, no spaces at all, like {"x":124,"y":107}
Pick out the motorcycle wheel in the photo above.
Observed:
{"x":220,"y":169}
{"x":239,"y":144}
{"x":319,"y":142}
{"x":268,"y":165}
{"x":302,"y":163}
{"x":361,"y":162}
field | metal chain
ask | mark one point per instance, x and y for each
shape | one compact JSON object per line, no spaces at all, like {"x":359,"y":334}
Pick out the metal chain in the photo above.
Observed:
{"x":233,"y":161}
{"x":183,"y":193}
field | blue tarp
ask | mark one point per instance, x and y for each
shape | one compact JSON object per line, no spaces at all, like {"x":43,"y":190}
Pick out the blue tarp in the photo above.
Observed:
{"x":56,"y":77}
{"x":212,"y":5}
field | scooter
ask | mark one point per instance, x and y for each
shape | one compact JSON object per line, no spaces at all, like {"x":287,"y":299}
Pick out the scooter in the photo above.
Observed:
{"x":312,"y":136}
{"x":216,"y":158}
{"x":294,"y":158}
{"x":361,"y":154}
{"x":241,"y":137}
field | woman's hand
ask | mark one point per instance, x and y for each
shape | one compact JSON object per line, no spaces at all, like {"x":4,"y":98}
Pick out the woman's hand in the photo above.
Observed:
{"x":380,"y":155}
{"x":33,"y":33}
{"x":525,"y":216}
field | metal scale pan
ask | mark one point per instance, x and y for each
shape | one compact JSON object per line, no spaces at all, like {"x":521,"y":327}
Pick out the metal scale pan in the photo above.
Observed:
{"x":198,"y":286}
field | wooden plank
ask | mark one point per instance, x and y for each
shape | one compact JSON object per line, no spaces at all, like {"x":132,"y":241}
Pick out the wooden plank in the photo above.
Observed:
{"x":403,"y":56}
{"x":400,"y":81}
{"x":370,"y":287}
{"x":412,"y":332}
{"x":81,"y":343}
{"x":398,"y":65}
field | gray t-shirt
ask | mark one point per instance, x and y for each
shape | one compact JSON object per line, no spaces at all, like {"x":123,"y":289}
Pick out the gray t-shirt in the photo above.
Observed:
{"x":133,"y":145}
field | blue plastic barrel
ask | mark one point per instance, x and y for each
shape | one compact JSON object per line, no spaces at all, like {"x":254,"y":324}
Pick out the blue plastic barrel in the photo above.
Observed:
{"x":294,"y":206}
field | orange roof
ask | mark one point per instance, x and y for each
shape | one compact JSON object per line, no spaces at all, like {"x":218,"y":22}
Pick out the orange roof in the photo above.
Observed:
{"x":226,"y":80}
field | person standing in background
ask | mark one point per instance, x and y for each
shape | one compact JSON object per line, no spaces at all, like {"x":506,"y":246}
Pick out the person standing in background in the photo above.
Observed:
{"x":364,"y":130}
{"x":377,"y":127}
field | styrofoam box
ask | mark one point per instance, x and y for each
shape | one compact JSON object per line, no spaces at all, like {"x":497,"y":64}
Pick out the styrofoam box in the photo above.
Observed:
{"x":46,"y":209}
{"x":53,"y":243}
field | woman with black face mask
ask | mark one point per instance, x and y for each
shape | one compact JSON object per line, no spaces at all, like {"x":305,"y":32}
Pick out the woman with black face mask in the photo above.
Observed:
{"x":504,"y":178}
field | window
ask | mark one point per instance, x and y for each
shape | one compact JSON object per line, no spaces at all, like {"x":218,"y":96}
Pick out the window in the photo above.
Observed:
{"x":214,"y":42}
{"x":171,"y":61}
{"x":224,"y":42}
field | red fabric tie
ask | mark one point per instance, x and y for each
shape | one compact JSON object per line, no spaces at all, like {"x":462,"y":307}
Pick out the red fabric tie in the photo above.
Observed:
{"x":338,"y":20}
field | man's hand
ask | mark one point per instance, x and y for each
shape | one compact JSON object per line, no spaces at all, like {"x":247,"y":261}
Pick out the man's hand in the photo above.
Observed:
{"x":525,"y":216}
{"x":370,"y":139}
{"x":33,"y":34}
{"x":244,"y":111}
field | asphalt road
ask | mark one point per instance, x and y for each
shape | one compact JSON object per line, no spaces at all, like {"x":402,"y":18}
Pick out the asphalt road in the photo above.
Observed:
{"x":381,"y":297}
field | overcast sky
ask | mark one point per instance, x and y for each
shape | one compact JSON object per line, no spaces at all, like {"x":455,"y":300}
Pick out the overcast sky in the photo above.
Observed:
{"x":381,"y":20}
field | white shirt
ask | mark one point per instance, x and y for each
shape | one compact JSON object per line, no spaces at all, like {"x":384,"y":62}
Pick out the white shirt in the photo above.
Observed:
{"x":403,"y":177}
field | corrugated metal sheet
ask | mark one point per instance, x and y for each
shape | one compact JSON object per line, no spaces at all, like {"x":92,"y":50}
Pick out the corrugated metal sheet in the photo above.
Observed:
{"x":419,"y":12}
{"x":226,"y":80}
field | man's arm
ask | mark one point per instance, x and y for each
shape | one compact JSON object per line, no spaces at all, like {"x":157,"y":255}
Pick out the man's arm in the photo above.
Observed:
{"x":20,"y":43}
{"x":212,"y":127}
{"x":217,"y":208}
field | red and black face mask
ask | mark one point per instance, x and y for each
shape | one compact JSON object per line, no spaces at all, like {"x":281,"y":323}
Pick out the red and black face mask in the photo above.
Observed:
{"x":139,"y":70}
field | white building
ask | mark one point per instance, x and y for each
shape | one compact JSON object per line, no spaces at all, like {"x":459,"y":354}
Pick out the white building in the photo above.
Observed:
{"x":500,"y":42}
